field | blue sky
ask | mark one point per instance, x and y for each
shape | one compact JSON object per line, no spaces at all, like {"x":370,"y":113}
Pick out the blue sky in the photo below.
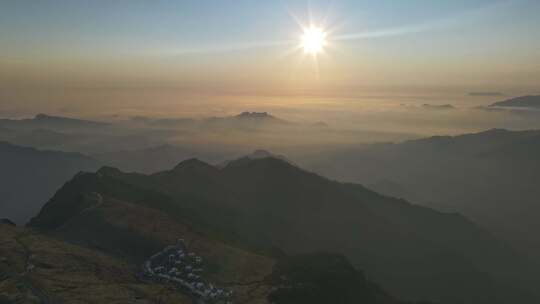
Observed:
{"x":431,"y":37}
{"x":195,"y":23}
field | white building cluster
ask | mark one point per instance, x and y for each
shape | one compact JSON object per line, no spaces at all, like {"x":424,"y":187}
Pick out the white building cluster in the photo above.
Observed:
{"x":174,"y":264}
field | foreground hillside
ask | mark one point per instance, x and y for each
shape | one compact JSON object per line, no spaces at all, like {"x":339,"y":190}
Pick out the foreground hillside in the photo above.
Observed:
{"x":29,"y":177}
{"x":132,"y":233}
{"x":35,"y":268}
{"x":265,"y":204}
{"x":38,"y":269}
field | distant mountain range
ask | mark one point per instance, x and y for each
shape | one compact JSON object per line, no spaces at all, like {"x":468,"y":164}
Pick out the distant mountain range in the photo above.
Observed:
{"x":162,"y":157}
{"x":438,"y":107}
{"x":491,"y":177}
{"x":256,"y":115}
{"x":270,"y":206}
{"x":242,"y":120}
{"x":77,"y":135}
{"x":530,"y":101}
{"x":29,"y":177}
{"x":250,"y":118}
{"x":240,"y":132}
{"x":48,"y":121}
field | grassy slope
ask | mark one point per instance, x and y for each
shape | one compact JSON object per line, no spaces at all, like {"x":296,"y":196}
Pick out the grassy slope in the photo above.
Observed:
{"x":67,"y":273}
{"x":133,"y":232}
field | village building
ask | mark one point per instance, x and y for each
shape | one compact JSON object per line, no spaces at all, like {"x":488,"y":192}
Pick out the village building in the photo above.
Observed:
{"x":174,"y":265}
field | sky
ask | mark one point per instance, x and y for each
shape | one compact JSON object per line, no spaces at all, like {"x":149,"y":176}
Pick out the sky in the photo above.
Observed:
{"x":223,"y":47}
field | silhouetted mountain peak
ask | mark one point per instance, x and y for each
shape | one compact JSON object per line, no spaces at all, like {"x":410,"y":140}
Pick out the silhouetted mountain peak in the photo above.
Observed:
{"x":260,"y":117}
{"x":45,"y":118}
{"x":42,"y":116}
{"x":51,"y":118}
{"x":255,"y":115}
{"x":255,"y":155}
{"x":260,"y":154}
{"x":108,"y":171}
{"x":193,"y":167}
{"x":438,"y":107}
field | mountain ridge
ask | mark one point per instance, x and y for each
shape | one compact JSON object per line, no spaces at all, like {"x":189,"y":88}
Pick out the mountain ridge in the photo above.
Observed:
{"x":456,"y":174}
{"x":43,"y":171}
{"x":267,"y":203}
{"x":42,"y":119}
{"x":527,"y":101}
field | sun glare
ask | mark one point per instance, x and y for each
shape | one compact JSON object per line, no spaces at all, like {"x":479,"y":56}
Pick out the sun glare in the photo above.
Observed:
{"x":313,"y":40}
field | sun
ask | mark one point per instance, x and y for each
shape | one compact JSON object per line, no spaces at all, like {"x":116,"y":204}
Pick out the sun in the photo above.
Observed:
{"x":313,"y":40}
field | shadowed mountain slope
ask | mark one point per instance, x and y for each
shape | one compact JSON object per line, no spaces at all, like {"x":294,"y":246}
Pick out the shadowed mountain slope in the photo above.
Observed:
{"x":323,"y":278}
{"x":29,"y":177}
{"x":530,"y":101}
{"x":36,"y":268}
{"x":490,"y":177}
{"x":267,"y":203}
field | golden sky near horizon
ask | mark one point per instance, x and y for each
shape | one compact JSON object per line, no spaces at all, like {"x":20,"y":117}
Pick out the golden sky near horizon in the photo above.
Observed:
{"x":221,"y":48}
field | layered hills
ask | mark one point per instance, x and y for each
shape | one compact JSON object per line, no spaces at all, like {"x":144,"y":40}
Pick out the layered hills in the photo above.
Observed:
{"x":29,"y":177}
{"x":491,"y":177}
{"x":529,"y":101}
{"x":268,"y":207}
